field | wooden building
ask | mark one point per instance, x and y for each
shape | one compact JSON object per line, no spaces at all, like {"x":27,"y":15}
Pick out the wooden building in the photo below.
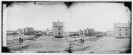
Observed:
{"x":122,"y":30}
{"x":58,"y":29}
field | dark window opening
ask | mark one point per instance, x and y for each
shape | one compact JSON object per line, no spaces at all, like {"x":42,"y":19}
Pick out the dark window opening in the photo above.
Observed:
{"x":59,"y":28}
{"x":126,"y":34}
{"x":125,"y":29}
{"x":119,"y":29}
{"x":120,"y":34}
{"x":59,"y":33}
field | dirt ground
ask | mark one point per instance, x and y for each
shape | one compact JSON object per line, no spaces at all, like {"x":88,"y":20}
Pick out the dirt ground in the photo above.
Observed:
{"x":49,"y":44}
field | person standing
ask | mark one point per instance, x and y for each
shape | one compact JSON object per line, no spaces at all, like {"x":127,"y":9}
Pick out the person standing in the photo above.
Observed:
{"x":20,"y":40}
{"x":82,"y":39}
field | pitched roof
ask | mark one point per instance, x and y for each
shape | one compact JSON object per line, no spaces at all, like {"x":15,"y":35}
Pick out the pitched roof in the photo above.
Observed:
{"x":57,"y":23}
{"x":121,"y":25}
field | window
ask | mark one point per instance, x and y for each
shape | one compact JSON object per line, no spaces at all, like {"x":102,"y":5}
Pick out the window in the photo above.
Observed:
{"x":59,"y":33}
{"x":119,"y":29}
{"x":125,"y":29}
{"x":119,"y":34}
{"x":59,"y":28}
{"x":126,"y":34}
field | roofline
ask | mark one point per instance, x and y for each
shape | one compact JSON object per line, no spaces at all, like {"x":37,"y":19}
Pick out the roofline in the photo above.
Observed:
{"x":122,"y":27}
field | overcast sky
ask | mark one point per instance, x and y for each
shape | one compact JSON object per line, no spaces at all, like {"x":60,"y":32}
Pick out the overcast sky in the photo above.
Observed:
{"x":99,"y":16}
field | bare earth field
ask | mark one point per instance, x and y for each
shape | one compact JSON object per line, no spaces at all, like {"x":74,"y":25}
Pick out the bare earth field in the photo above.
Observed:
{"x":49,"y":44}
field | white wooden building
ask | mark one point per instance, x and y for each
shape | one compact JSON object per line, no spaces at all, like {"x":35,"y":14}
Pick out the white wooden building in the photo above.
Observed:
{"x":122,"y":30}
{"x":58,"y":29}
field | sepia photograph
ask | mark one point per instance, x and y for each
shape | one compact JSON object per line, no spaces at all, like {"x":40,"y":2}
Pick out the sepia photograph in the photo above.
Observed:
{"x":78,"y":27}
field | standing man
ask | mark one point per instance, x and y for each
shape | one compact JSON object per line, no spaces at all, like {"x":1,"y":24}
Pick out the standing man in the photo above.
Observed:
{"x":82,"y":39}
{"x":21,"y":38}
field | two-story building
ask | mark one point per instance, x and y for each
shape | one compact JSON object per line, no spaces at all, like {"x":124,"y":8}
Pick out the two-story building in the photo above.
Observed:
{"x":58,"y":29}
{"x":122,"y":30}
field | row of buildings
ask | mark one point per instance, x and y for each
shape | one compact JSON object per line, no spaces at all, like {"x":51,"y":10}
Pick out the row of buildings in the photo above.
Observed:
{"x":57,"y":31}
{"x":87,"y":31}
{"x":24,"y":31}
{"x":119,"y":30}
